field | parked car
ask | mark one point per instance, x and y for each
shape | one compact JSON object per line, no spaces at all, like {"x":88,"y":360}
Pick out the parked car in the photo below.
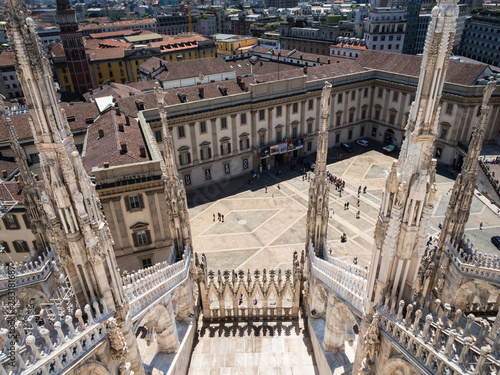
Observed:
{"x":495,"y":240}
{"x":389,"y":149}
{"x":362,"y":142}
{"x":346,"y":147}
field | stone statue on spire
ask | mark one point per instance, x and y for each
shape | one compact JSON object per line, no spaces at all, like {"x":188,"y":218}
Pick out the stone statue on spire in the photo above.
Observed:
{"x":175,"y":194}
{"x":319,"y":190}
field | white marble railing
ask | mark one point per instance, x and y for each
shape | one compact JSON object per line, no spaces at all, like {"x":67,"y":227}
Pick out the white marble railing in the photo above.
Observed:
{"x":477,"y":265}
{"x":352,"y":268}
{"x":348,"y":286}
{"x":55,"y":346}
{"x":252,"y":313}
{"x":146,"y":286}
{"x":436,"y":344}
{"x":26,"y":273}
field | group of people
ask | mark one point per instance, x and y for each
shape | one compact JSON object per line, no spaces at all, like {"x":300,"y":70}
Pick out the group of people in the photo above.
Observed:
{"x":220,"y":216}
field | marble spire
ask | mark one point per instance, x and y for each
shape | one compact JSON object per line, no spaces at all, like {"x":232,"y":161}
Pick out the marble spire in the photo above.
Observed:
{"x":319,"y":190}
{"x":408,"y":200}
{"x":88,"y":258}
{"x":175,"y":194}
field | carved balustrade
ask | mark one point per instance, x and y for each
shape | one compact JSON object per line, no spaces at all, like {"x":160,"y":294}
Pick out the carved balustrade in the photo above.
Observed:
{"x":146,"y":286}
{"x":435,"y":343}
{"x":263,"y":294}
{"x":352,"y":268}
{"x":21,"y":274}
{"x":54,"y":346}
{"x":475,"y":264}
{"x":347,"y":285}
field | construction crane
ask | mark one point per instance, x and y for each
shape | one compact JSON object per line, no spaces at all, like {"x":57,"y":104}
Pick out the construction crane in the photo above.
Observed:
{"x":189,"y":17}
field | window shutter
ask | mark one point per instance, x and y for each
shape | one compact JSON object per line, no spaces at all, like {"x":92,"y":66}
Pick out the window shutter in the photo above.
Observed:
{"x":222,"y":149}
{"x":16,"y":246}
{"x":141,"y":201}
{"x":134,"y":237}
{"x":5,"y":223}
{"x":188,"y":157}
{"x":127,"y":203}
{"x":26,"y":221}
{"x":148,"y":236}
{"x":209,"y":152}
{"x":229,"y":148}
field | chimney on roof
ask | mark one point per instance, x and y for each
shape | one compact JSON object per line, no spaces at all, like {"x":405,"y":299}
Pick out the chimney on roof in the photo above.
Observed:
{"x":4,"y":173}
{"x":261,"y":63}
{"x":301,"y":56}
{"x":317,"y":59}
{"x":37,"y":178}
{"x":91,"y":91}
{"x":100,"y":134}
{"x":120,"y":128}
{"x":118,"y":112}
{"x":142,"y":151}
{"x":16,"y":177}
{"x":305,"y":69}
{"x":328,"y":61}
{"x":201,"y":92}
{"x":127,"y":120}
{"x":19,"y":186}
{"x":238,"y":80}
{"x":123,"y":146}
{"x":100,"y":87}
{"x":130,"y":94}
{"x":105,"y":164}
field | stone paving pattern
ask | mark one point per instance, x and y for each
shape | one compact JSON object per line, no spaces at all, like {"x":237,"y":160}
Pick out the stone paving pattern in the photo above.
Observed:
{"x":253,"y":349}
{"x":261,"y":230}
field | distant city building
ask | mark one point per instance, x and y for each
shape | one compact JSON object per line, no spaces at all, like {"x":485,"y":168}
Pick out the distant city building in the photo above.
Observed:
{"x":206,"y":24}
{"x":234,"y":44}
{"x":93,"y":28}
{"x":423,"y":24}
{"x":9,"y":84}
{"x":173,"y":25}
{"x":481,"y":38}
{"x":349,"y":48}
{"x":411,"y":9}
{"x":385,"y":30}
{"x":74,"y":49}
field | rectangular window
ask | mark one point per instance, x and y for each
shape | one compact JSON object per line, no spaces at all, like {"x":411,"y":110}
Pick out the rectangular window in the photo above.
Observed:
{"x":310,"y":104}
{"x":365,"y":92}
{"x":203,"y":127}
{"x":278,"y":111}
{"x":339,"y":119}
{"x":351,"y":116}
{"x":295,"y":107}
{"x":438,"y":153}
{"x":362,"y":131}
{"x":363,"y":114}
{"x":309,"y":127}
{"x":223,"y":123}
{"x":206,"y":153}
{"x":225,"y":148}
{"x":141,"y":238}
{"x":262,"y":115}
{"x":392,"y":117}
{"x":26,"y":221}
{"x":449,"y":109}
{"x":5,"y":246}
{"x":295,"y":132}
{"x":10,"y":222}
{"x":309,"y":146}
{"x":279,"y":136}
{"x":244,"y":143}
{"x":377,"y":114}
{"x":444,"y":132}
{"x":374,"y":132}
{"x":380,"y":92}
{"x":146,"y":263}
{"x":180,"y":131}
{"x":184,"y":158}
{"x":337,"y":138}
{"x":395,"y":96}
{"x":134,"y":202}
{"x":349,"y":135}
{"x":243,"y":118}
{"x":262,"y":140}
{"x":412,"y":99}
{"x":353,"y":94}
{"x":158,"y":136}
{"x":339,"y":98}
{"x":21,"y":247}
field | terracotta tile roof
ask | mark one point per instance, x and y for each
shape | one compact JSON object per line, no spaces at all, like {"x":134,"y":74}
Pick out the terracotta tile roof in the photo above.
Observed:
{"x":108,"y":147}
{"x":191,"y":68}
{"x":131,"y":105}
{"x":12,"y":188}
{"x":106,"y":54}
{"x":152,"y":64}
{"x":7,"y":58}
{"x":112,"y":34}
{"x":118,"y":90}
{"x":296,"y":55}
{"x":458,"y":72}
{"x":130,"y":23}
{"x":82,"y":113}
{"x":8,"y":166}
{"x":349,"y":46}
{"x":57,"y":50}
{"x":143,"y":86}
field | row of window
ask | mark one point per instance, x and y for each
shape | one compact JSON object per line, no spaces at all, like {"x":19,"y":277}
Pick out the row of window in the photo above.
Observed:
{"x":208,"y":171}
{"x":19,"y":246}
{"x":10,"y":222}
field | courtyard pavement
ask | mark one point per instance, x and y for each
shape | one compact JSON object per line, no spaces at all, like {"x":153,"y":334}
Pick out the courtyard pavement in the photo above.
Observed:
{"x":261,"y":230}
